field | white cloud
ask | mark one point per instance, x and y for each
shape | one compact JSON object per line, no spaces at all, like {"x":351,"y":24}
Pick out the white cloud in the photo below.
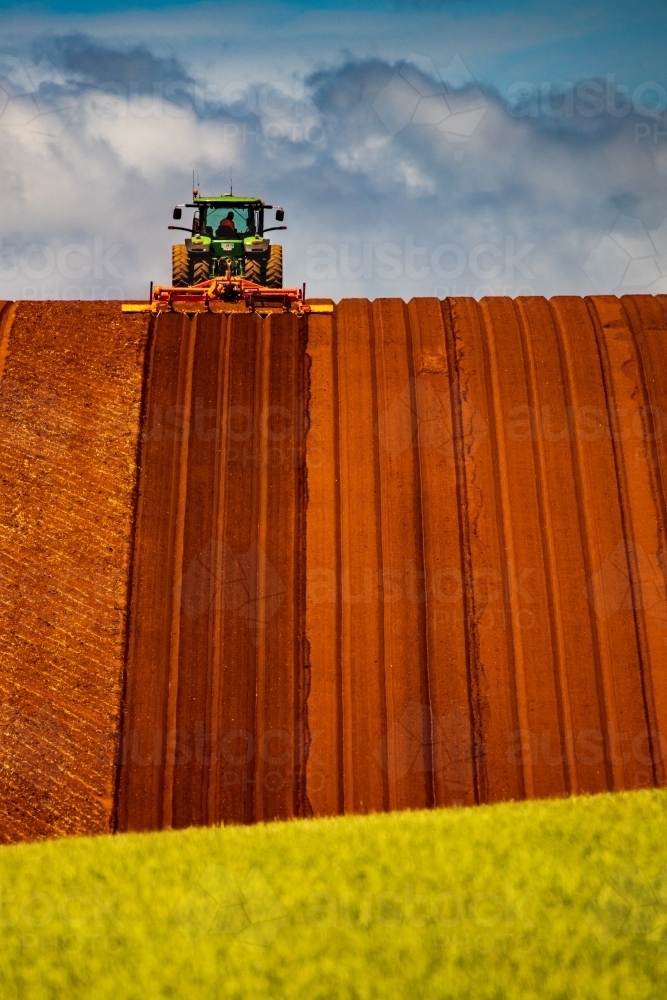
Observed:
{"x":117,"y":157}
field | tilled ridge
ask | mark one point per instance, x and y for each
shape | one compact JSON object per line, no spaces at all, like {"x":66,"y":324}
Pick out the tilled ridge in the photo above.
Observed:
{"x":602,"y":527}
{"x":632,"y":345}
{"x":214,"y":715}
{"x":70,"y":397}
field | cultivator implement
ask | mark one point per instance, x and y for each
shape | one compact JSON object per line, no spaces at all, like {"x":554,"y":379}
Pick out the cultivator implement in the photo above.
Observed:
{"x":227,"y":294}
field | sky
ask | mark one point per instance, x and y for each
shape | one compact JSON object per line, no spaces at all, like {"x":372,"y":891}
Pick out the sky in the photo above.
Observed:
{"x":418,"y":147}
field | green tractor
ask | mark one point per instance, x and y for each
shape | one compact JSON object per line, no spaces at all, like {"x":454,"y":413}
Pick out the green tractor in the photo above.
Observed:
{"x":227,"y":235}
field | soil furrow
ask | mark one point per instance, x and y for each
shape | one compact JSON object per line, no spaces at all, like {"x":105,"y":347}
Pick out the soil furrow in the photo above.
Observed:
{"x":500,"y":765}
{"x":641,"y":518}
{"x":145,"y":728}
{"x":443,"y":584}
{"x":279,"y":765}
{"x":607,"y":586}
{"x":236,"y":594}
{"x":198,"y":570}
{"x":363,"y":710}
{"x":402,"y":584}
{"x":322,"y":619}
{"x":648,"y":326}
{"x":527,"y":599}
{"x":573,"y":639}
{"x":537,"y":337}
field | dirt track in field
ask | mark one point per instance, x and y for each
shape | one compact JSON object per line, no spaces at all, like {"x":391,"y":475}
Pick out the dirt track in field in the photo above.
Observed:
{"x":400,"y":556}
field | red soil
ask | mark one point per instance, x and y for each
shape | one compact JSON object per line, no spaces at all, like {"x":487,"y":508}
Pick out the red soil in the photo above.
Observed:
{"x":70,"y":396}
{"x":394,"y":557}
{"x":486,"y":606}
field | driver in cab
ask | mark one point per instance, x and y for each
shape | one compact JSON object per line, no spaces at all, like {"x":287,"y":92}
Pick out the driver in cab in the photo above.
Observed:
{"x":226,"y":228}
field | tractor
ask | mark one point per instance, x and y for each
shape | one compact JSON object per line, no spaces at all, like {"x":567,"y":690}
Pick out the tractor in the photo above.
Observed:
{"x":226,"y":264}
{"x":227,"y":237}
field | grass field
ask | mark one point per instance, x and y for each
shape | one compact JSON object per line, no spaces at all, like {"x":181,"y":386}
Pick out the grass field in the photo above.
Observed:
{"x":560,"y":899}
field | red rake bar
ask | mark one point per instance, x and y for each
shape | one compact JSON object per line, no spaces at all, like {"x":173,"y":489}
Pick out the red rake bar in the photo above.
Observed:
{"x":228,"y":294}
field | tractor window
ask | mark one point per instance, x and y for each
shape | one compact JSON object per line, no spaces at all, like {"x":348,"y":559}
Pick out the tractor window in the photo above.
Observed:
{"x":243,"y":219}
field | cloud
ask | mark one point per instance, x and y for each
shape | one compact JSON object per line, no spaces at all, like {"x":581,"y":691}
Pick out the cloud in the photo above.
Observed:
{"x":558,"y":189}
{"x":84,"y":59}
{"x":384,"y":196}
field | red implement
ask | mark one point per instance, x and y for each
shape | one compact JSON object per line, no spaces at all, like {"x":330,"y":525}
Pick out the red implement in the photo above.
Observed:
{"x":226,"y":294}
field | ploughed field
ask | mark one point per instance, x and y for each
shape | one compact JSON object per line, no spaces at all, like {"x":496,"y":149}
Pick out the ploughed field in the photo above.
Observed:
{"x":394,"y":557}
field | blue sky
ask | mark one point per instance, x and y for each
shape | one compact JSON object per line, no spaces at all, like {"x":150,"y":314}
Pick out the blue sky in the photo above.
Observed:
{"x":418,"y":148}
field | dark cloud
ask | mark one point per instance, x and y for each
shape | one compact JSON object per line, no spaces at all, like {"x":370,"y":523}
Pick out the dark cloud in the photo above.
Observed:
{"x":337,"y":90}
{"x":625,"y":201}
{"x":592,"y":109}
{"x":92,"y":63}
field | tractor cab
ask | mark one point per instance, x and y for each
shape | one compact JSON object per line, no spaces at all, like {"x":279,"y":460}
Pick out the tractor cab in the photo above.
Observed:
{"x":225,"y":222}
{"x":227,"y":237}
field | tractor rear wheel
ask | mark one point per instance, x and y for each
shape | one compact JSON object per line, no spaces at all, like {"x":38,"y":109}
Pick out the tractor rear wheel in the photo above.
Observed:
{"x":200,"y":271}
{"x":253,"y":270}
{"x":274,"y":270}
{"x":180,"y":266}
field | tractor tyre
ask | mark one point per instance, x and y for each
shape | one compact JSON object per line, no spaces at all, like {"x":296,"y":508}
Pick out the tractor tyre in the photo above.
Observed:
{"x":180,"y":266}
{"x":200,"y":271}
{"x":274,"y":270}
{"x":253,"y":270}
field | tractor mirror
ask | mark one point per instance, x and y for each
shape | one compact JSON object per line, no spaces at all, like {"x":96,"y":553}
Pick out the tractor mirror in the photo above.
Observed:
{"x":177,"y":213}
{"x":280,"y":215}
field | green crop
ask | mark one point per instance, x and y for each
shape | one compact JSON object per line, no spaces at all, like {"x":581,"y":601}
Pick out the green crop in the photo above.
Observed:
{"x":563,"y":899}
